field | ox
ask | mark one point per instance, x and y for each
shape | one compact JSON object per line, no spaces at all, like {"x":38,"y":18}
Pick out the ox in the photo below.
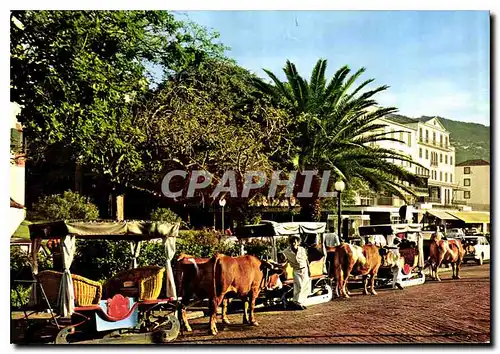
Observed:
{"x":445,"y":251}
{"x":351,"y":259}
{"x":215,"y":277}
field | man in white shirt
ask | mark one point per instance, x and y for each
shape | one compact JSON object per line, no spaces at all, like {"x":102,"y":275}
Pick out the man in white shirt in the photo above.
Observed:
{"x":296,"y":256}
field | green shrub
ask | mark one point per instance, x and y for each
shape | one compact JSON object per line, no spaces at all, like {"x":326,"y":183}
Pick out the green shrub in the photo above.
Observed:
{"x":20,"y":263}
{"x":258,"y":248}
{"x":165,"y":214}
{"x":100,"y":259}
{"x":20,"y":269}
{"x":20,"y":297}
{"x":69,"y":205}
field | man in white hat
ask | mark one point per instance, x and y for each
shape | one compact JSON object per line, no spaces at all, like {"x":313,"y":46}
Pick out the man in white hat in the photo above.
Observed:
{"x":296,"y":256}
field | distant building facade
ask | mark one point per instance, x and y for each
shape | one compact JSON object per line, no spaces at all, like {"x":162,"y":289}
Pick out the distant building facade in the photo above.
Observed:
{"x":473,"y":177}
{"x":427,"y":142}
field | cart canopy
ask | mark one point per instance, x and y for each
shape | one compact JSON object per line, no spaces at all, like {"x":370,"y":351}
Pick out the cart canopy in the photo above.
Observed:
{"x":388,"y":229}
{"x":69,"y":231}
{"x":118,"y":230}
{"x":271,"y":228}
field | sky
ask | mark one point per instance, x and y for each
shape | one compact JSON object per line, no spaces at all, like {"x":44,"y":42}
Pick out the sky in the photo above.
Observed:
{"x":435,"y":62}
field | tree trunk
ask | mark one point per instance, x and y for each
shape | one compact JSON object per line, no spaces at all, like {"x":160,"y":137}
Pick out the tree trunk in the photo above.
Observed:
{"x":310,"y":208}
{"x":120,"y":207}
{"x":78,"y":178}
{"x":117,"y":205}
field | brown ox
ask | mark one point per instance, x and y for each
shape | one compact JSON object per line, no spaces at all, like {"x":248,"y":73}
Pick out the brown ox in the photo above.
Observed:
{"x":445,"y":251}
{"x":351,"y":259}
{"x":214,"y":277}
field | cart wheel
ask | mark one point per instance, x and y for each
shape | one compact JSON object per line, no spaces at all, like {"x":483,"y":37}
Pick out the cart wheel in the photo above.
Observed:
{"x":63,"y":333}
{"x":168,"y":331}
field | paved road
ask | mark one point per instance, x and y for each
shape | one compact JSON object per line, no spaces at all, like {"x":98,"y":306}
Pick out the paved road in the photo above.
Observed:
{"x":452,"y":311}
{"x":448,"y":312}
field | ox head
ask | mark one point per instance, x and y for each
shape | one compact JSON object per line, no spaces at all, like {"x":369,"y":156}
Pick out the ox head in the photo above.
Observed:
{"x":272,"y":273}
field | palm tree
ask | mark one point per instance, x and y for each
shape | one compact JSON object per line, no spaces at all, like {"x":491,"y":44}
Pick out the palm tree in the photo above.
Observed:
{"x":333,"y":126}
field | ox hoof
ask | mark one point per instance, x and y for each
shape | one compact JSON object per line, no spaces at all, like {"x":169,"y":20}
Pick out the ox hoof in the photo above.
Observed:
{"x":346,"y":296}
{"x":374,"y":292}
{"x":213,"y":332}
{"x":255,"y":324}
{"x":226,"y":321}
{"x":188,"y":329}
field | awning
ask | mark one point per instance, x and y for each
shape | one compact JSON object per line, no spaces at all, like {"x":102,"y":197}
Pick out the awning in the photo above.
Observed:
{"x":120,"y":230}
{"x":443,"y":215}
{"x":271,"y":228}
{"x":471,"y":217}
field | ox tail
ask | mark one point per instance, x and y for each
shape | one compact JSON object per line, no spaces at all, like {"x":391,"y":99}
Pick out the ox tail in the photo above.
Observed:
{"x":216,"y":273}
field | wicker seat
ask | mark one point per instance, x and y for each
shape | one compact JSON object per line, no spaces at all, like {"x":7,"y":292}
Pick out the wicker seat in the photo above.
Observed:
{"x":147,"y":280}
{"x":87,"y":292}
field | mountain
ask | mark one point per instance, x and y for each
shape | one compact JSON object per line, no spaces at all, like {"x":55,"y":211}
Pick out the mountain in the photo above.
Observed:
{"x":471,"y":140}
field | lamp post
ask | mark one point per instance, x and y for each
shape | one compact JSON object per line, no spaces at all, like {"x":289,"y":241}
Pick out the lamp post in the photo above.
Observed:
{"x":222,"y":202}
{"x":339,"y":187}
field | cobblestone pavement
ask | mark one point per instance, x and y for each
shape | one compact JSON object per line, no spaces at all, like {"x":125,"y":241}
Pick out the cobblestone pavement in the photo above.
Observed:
{"x":452,"y":311}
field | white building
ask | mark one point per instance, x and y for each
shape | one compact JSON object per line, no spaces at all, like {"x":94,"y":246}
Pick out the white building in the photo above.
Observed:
{"x":428,"y":143}
{"x":473,"y":176}
{"x":17,"y":172}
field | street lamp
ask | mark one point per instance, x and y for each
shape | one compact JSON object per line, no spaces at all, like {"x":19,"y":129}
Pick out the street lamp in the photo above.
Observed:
{"x":222,"y":202}
{"x":339,"y":187}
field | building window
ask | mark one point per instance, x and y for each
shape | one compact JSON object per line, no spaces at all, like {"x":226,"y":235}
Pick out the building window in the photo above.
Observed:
{"x":426,"y":154}
{"x":441,"y":140}
{"x":446,"y":140}
{"x":440,"y":158}
{"x":440,"y":175}
{"x":421,"y":135}
{"x":466,"y":194}
{"x":426,"y":136}
{"x":451,"y":177}
{"x":434,"y":138}
{"x":392,"y":133}
{"x":409,"y":139}
{"x":451,"y":160}
{"x":401,"y":137}
{"x":446,"y":176}
{"x":466,"y":182}
{"x":466,"y":170}
{"x":445,"y":159}
{"x":420,"y":152}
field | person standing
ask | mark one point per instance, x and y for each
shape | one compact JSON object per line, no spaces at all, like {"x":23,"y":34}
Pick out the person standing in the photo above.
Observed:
{"x":296,"y":256}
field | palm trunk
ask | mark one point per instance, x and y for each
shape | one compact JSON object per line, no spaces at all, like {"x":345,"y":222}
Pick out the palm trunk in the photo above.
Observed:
{"x":310,"y":208}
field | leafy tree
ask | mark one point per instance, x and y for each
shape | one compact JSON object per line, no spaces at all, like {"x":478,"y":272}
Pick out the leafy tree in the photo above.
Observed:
{"x":333,"y":126}
{"x":79,"y":74}
{"x":205,"y":119}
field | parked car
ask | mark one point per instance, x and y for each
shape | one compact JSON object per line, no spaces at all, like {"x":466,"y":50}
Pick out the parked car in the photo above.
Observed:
{"x":455,"y":233}
{"x":477,"y":248}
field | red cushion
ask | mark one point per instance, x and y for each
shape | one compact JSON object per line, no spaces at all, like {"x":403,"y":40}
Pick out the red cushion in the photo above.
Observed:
{"x":406,"y":269}
{"x":118,"y":306}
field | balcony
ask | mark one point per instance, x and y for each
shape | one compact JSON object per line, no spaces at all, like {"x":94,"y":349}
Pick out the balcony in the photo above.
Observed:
{"x":384,"y":201}
{"x":421,"y":191}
